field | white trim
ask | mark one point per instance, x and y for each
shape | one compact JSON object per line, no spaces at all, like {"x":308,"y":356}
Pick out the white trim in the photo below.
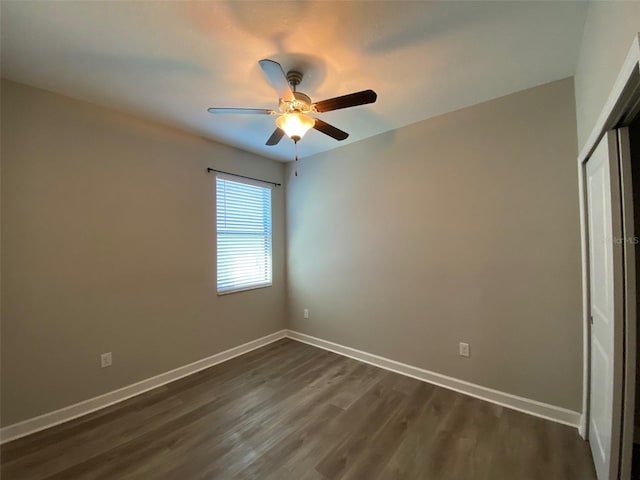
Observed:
{"x":582,"y":428}
{"x":606,"y":119}
{"x":532,"y":407}
{"x":244,"y":289}
{"x":51,"y":419}
{"x":586,"y":309}
{"x":65,"y":414}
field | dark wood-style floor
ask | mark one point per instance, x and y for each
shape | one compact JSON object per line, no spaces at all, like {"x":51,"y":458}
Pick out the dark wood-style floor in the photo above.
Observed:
{"x":290,"y":411}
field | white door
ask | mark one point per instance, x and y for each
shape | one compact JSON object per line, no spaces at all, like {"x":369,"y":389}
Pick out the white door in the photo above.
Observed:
{"x":606,"y":282}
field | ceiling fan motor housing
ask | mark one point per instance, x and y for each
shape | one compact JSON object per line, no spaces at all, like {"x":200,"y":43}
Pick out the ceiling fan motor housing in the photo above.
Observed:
{"x":301,"y":104}
{"x":294,"y":78}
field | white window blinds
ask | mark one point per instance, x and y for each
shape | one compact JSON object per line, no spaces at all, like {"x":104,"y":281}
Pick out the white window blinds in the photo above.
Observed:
{"x":244,"y":235}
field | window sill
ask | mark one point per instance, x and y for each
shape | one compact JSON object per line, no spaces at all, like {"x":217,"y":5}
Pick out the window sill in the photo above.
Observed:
{"x":244,"y":289}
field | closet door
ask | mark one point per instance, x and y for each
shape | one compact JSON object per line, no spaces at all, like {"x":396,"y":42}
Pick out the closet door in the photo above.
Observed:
{"x":607,"y":308}
{"x":630,"y":285}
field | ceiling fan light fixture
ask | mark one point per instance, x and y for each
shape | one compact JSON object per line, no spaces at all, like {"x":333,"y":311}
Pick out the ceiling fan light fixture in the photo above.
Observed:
{"x":293,"y":106}
{"x":295,"y":125}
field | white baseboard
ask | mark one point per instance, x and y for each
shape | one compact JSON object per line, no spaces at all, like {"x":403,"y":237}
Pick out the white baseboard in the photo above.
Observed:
{"x":65,"y":414}
{"x":582,"y":428}
{"x":532,"y":407}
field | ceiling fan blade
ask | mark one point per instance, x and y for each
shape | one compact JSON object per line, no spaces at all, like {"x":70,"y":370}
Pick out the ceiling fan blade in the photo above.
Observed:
{"x":330,"y":130}
{"x":254,"y":111}
{"x":275,"y":137}
{"x":345,"y":101}
{"x":277,"y":78}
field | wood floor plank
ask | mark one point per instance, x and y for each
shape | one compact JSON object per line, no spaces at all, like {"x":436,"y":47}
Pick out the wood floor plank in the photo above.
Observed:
{"x":415,"y":456}
{"x":380,"y":447}
{"x":237,"y":387}
{"x":292,"y":411}
{"x":227,"y":415}
{"x":380,"y":402}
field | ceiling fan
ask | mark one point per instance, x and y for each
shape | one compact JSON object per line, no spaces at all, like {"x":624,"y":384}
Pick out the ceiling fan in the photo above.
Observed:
{"x":294,"y":108}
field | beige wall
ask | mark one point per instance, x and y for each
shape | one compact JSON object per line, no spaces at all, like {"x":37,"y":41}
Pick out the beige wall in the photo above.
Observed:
{"x":108,"y":244}
{"x":608,"y":33}
{"x":459,"y":228}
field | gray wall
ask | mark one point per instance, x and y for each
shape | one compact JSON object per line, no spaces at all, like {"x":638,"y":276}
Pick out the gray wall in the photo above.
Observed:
{"x":464,"y":227}
{"x":608,"y":32}
{"x":108,"y":244}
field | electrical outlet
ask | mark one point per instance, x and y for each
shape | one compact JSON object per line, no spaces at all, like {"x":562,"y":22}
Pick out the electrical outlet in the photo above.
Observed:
{"x":105,"y":360}
{"x":306,"y":313}
{"x":464,"y":349}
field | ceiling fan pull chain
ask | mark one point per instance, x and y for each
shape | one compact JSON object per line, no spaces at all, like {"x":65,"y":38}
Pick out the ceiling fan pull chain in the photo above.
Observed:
{"x":295,"y":146}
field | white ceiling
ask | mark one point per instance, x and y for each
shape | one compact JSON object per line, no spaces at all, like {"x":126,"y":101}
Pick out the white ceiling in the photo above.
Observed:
{"x":169,"y":61}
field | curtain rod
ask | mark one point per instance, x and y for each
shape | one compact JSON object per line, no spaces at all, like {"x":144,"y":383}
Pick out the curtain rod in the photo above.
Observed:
{"x":242,"y":176}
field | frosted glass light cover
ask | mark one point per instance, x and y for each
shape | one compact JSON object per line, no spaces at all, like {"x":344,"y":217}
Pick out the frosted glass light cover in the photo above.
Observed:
{"x":295,"y":124}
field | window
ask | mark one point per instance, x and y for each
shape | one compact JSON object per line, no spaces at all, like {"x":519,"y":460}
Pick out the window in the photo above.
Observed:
{"x":244,"y":235}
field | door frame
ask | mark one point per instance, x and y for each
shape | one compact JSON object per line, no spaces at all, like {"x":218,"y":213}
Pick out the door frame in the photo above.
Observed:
{"x":620,"y":108}
{"x":629,"y":234}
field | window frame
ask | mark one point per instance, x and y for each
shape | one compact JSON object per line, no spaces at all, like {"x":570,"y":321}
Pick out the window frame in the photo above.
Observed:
{"x":254,"y":286}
